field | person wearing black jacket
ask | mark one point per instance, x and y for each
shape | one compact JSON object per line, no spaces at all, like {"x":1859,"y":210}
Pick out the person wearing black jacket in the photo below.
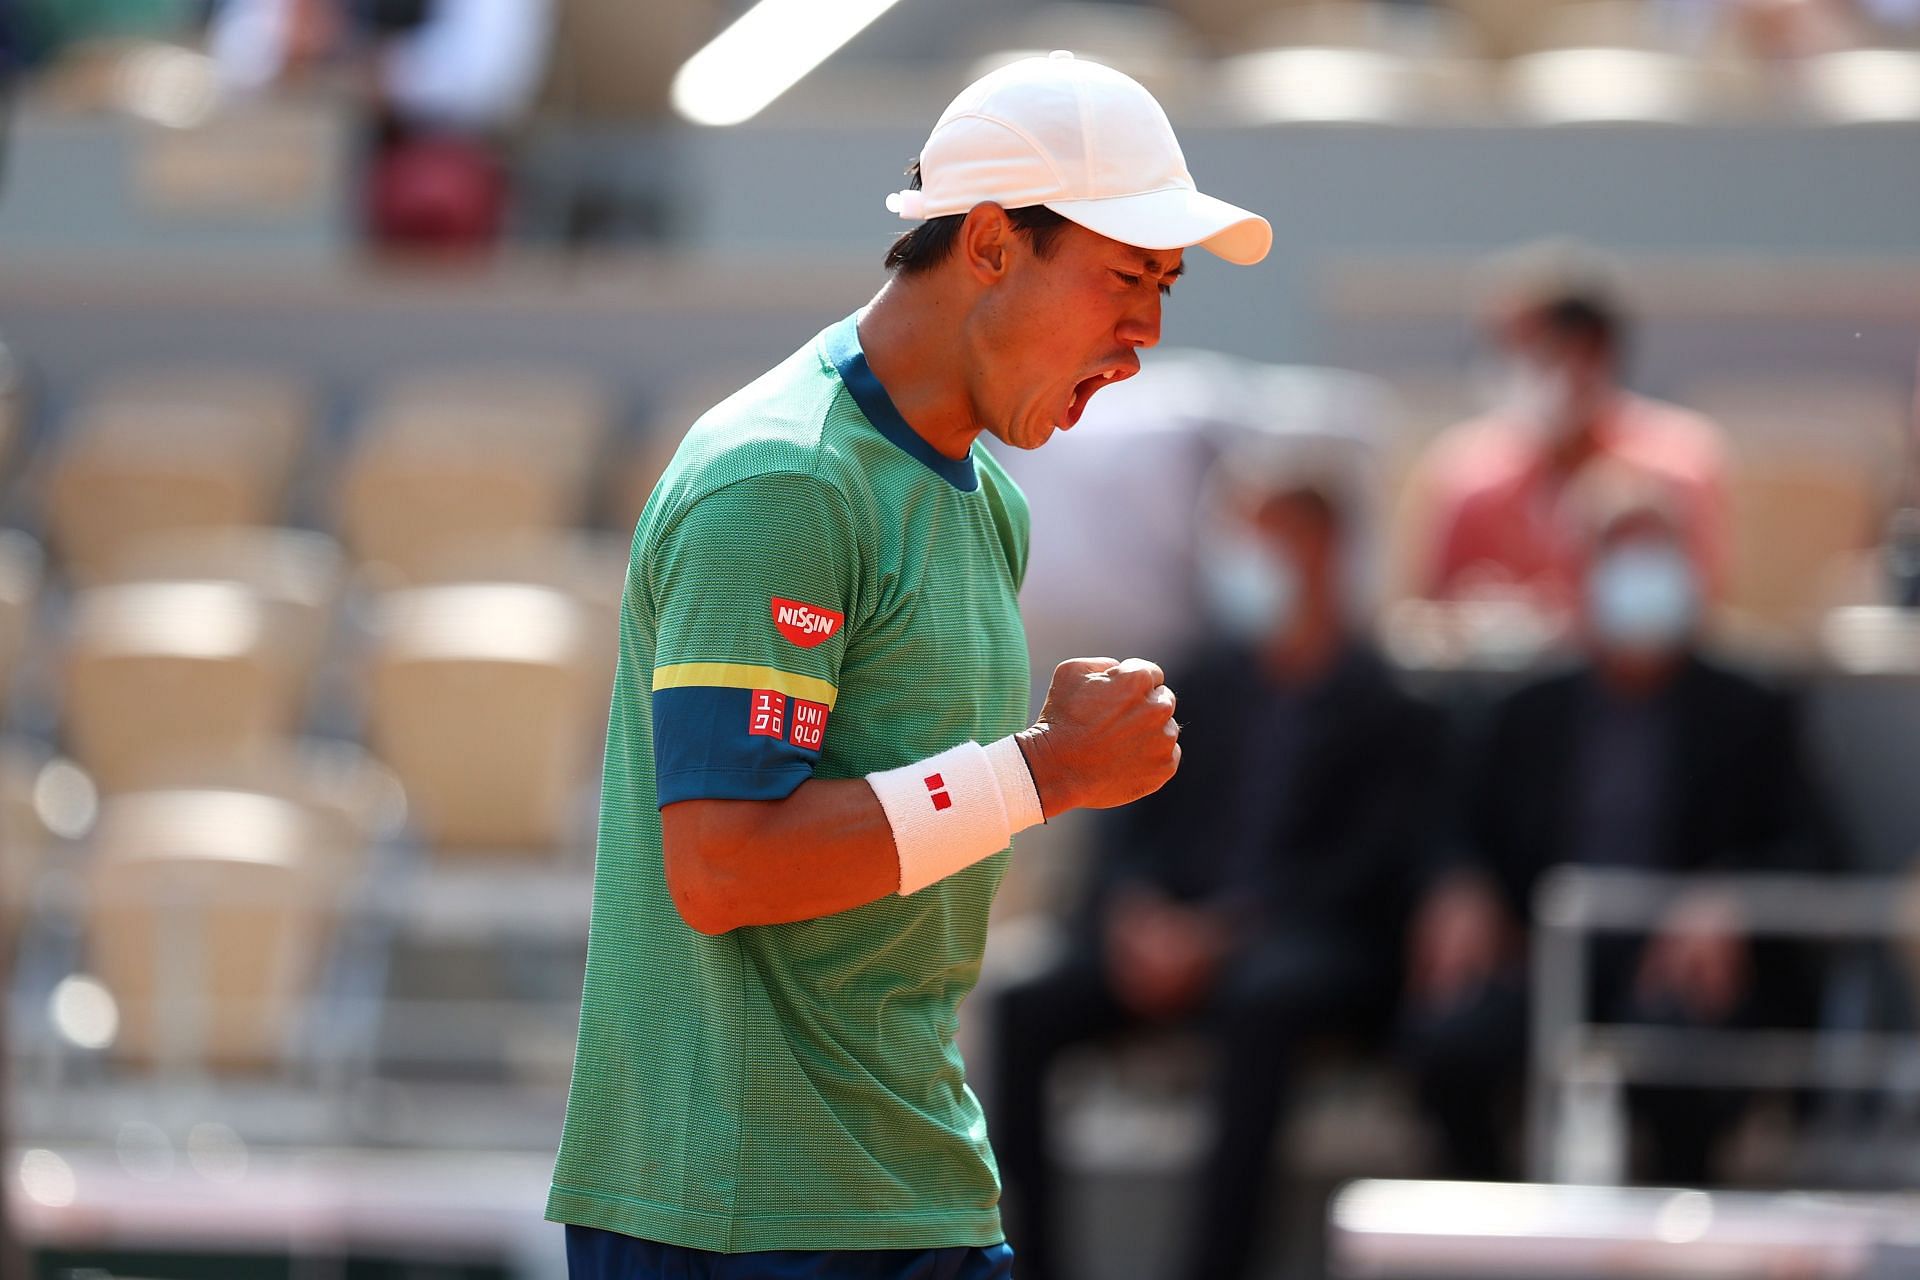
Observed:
{"x":1649,"y":755}
{"x":1260,"y":897}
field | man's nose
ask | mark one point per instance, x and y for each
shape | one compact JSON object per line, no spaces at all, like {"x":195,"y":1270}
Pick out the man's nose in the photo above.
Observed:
{"x":1141,"y":326}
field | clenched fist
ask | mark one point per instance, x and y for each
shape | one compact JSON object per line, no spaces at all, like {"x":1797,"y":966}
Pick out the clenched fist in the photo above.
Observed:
{"x":1105,"y":737}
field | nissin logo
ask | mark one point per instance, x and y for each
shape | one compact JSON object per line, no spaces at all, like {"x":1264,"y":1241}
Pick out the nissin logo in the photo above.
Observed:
{"x":804,"y":624}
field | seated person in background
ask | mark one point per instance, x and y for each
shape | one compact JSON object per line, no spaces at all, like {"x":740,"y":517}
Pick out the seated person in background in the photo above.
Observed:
{"x":1647,"y":756}
{"x":1493,"y":491}
{"x":1259,"y":896}
{"x":449,"y":81}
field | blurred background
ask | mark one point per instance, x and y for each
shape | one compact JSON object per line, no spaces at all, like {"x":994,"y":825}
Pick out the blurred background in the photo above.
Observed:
{"x":1534,"y":539}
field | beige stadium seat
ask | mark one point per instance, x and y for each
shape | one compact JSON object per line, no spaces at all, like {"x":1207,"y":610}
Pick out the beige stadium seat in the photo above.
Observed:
{"x":1504,"y":28}
{"x":1797,"y":523}
{"x":590,"y":567}
{"x":20,"y":569}
{"x":1355,"y":63}
{"x":476,"y":701}
{"x":556,"y":413}
{"x":1812,"y":454}
{"x":1150,"y":44}
{"x":206,"y":920}
{"x":449,"y":457}
{"x":276,"y":409}
{"x":353,"y":800}
{"x":298,"y":573}
{"x":1862,"y":86}
{"x":1831,"y":416}
{"x":161,"y":671}
{"x":154,"y":452}
{"x":402,"y":512}
{"x":1227,"y":26}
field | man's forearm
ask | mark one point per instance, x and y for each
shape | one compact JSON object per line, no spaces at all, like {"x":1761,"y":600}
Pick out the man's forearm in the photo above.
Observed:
{"x":824,"y":849}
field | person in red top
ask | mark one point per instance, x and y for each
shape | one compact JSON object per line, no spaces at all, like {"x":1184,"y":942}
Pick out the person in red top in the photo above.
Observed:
{"x":1495,"y":488}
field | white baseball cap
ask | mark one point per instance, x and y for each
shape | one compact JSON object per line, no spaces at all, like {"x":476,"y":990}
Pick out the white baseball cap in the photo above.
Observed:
{"x":1087,"y":142}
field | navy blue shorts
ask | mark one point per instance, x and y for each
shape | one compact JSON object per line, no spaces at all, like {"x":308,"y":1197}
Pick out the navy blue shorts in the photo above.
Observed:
{"x":593,"y":1254}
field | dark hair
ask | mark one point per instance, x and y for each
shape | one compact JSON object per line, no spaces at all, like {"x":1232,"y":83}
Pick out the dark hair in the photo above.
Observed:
{"x":1586,"y":317}
{"x":931,"y":243}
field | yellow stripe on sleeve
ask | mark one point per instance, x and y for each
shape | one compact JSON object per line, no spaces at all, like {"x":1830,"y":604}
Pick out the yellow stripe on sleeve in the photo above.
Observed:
{"x":741,"y":675}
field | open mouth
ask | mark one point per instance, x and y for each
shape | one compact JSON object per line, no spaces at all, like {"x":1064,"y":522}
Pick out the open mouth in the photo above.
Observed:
{"x":1084,"y":389}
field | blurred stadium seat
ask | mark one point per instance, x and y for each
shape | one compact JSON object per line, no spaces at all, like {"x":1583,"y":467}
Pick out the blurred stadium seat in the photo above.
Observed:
{"x":1797,"y":522}
{"x":158,"y":671}
{"x":1350,"y":64}
{"x":1863,"y":86}
{"x":1152,"y":45}
{"x":446,"y":457}
{"x":476,"y":699}
{"x":1812,"y":455}
{"x":1620,"y":62}
{"x":1503,"y":28}
{"x":172,"y":449}
{"x":589,"y":566}
{"x":207,"y":913}
{"x":298,"y":573}
{"x":353,"y":800}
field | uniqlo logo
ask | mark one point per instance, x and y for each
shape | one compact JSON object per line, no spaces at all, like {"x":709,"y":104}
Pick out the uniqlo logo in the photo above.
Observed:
{"x":809,"y":724}
{"x":938,"y":787}
{"x":768,"y":718}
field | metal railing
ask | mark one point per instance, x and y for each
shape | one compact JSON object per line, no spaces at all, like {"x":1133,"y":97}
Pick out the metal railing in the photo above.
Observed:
{"x":1578,"y":1068}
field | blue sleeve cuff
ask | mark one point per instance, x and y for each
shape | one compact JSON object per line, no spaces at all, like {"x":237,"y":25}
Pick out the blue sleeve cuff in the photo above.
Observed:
{"x":729,"y":744}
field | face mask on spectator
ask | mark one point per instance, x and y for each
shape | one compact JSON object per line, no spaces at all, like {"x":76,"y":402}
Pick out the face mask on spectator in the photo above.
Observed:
{"x":1642,"y":598}
{"x":1542,"y":396}
{"x":1252,"y":588}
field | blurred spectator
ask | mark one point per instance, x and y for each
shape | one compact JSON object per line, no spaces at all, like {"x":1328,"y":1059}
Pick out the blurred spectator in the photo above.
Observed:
{"x":1495,"y":489}
{"x":1113,"y":507}
{"x":1114,"y":533}
{"x":1648,"y":756}
{"x":449,"y":78}
{"x":1257,"y":898}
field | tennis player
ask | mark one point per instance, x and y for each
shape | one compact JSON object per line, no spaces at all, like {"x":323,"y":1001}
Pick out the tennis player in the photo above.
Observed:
{"x":819,"y":748}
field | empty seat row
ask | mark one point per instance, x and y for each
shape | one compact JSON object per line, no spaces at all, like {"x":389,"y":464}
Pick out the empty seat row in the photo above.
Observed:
{"x":438,"y":460}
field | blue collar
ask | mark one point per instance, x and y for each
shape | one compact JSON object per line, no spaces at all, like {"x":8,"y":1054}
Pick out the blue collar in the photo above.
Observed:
{"x":843,"y":348}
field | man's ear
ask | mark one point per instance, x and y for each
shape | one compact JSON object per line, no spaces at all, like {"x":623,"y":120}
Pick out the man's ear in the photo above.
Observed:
{"x":986,"y":242}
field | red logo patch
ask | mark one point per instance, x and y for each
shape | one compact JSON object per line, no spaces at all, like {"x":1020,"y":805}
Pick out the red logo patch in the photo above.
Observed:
{"x":805,"y":624}
{"x":938,"y":786}
{"x":809,"y":724}
{"x":768,"y":715}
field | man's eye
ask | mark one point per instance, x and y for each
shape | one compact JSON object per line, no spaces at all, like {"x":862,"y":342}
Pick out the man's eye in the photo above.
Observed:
{"x":1127,"y":279}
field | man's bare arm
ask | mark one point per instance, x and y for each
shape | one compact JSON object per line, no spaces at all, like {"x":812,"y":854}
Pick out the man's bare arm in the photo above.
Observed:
{"x":825,"y":848}
{"x":1106,"y":736}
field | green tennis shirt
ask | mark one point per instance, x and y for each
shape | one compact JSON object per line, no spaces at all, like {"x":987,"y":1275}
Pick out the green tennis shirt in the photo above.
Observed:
{"x":813,"y":592}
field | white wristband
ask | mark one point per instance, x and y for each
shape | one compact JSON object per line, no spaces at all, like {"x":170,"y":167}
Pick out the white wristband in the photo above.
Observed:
{"x":1015,"y":776}
{"x":953,"y":809}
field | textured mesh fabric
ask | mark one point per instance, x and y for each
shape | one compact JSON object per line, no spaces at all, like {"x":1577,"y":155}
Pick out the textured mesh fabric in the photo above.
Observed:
{"x":794,"y":1086}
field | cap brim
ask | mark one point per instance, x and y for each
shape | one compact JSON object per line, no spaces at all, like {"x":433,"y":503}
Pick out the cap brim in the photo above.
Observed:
{"x":1174,"y":219}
